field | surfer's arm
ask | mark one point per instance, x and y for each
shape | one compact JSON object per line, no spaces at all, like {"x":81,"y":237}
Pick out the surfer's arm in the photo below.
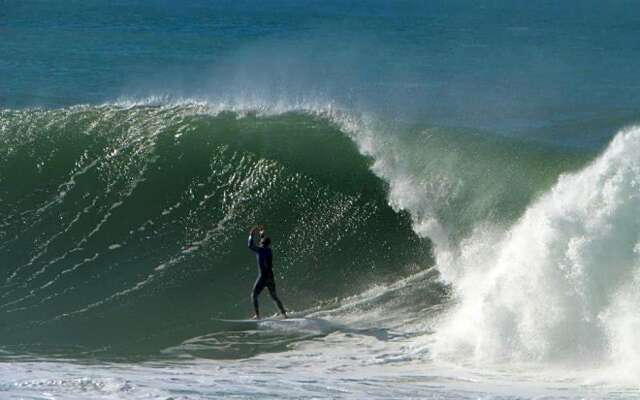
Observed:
{"x":250,"y":243}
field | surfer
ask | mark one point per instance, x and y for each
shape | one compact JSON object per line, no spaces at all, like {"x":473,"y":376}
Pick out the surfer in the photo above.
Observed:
{"x":264,"y":257}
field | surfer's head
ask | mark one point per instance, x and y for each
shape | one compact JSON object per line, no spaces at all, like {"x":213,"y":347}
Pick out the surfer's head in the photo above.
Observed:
{"x":265,"y":242}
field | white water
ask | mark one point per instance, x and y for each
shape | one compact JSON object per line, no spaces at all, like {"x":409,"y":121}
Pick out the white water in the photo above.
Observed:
{"x":338,"y":366}
{"x":560,"y":286}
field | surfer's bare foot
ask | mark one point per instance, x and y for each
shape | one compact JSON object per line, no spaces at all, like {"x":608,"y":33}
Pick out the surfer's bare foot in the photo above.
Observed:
{"x":284,"y":315}
{"x":256,"y":317}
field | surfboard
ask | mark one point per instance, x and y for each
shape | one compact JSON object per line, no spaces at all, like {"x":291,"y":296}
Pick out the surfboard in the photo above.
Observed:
{"x":255,"y":321}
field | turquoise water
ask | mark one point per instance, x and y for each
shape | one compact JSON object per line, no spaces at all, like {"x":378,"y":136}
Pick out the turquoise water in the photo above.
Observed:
{"x":504,"y":66}
{"x":451,"y":188}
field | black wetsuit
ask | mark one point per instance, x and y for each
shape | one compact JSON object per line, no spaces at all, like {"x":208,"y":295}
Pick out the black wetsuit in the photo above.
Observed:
{"x":265,"y":276}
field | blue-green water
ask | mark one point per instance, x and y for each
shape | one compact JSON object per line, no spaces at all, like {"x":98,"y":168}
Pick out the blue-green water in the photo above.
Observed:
{"x":509,"y":66}
{"x":451,"y":188}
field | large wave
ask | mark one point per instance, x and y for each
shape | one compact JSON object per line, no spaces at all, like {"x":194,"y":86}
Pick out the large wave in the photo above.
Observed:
{"x":123,"y":227}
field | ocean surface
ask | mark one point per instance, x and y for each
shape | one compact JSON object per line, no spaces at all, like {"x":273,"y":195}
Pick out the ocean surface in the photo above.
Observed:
{"x":452,"y":189}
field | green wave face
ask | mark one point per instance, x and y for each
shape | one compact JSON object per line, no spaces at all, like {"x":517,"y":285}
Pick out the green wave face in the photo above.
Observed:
{"x":463,"y":178}
{"x":124,"y":229}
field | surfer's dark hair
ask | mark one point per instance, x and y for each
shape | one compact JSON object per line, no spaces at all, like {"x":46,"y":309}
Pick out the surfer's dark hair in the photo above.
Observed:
{"x":265,"y":241}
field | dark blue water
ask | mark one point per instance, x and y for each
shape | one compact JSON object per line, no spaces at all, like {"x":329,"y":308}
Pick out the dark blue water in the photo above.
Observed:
{"x":508,"y":68}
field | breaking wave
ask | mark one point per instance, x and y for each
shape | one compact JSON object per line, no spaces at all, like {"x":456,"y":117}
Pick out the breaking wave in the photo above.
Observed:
{"x":123,"y":230}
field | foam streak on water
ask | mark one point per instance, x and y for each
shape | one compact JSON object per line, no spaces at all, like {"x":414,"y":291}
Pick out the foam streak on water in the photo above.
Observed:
{"x":329,"y":369}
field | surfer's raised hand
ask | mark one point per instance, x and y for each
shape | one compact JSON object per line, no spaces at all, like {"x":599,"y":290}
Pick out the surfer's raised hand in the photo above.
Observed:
{"x":258,"y":228}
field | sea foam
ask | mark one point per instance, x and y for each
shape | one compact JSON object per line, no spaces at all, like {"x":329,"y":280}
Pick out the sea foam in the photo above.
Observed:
{"x":561,"y":284}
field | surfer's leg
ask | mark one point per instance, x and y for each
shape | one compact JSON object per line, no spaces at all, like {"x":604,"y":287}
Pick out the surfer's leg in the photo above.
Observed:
{"x":257,"y":288}
{"x":272,"y":292}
